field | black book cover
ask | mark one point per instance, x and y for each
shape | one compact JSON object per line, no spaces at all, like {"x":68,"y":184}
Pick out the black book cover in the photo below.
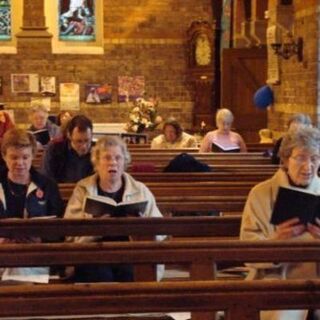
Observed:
{"x":99,"y":206}
{"x":293,"y":203}
{"x":217,"y":147}
{"x":41,"y":136}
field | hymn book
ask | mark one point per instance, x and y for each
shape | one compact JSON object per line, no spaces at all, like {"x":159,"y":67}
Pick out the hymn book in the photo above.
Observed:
{"x":292,"y":203}
{"x":102,"y":206}
{"x":217,"y":147}
{"x":41,"y":136}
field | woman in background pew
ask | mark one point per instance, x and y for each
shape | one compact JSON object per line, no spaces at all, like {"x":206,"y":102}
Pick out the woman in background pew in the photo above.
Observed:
{"x":43,"y":129}
{"x":223,"y":139}
{"x":173,"y":137}
{"x":110,"y":185}
{"x":300,"y":158}
{"x":24,"y":192}
{"x":296,"y":121}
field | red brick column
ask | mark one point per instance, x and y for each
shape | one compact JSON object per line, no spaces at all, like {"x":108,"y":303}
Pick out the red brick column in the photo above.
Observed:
{"x":33,"y":35}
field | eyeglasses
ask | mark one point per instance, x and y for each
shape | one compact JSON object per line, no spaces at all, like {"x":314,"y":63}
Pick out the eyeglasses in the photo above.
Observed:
{"x":79,"y":142}
{"x":300,"y":159}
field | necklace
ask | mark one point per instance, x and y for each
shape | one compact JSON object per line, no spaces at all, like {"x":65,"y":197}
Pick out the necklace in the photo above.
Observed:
{"x":17,"y":190}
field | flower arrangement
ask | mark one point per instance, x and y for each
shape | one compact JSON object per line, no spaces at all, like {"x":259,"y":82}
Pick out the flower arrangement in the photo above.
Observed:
{"x":143,"y":116}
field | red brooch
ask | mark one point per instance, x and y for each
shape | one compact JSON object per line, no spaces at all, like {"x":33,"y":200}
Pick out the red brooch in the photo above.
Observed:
{"x":39,"y":193}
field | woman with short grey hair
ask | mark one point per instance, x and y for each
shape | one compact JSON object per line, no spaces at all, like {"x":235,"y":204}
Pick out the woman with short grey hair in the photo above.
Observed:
{"x":300,"y":157}
{"x":40,"y":124}
{"x":108,"y":141}
{"x":296,"y":121}
{"x":111,"y":185}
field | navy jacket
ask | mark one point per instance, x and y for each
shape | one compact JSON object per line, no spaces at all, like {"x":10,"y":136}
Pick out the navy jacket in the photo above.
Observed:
{"x":42,"y":199}
{"x":58,"y":166}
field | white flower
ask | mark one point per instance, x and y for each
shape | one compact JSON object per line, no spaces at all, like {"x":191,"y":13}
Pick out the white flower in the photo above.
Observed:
{"x":143,"y":113}
{"x":144,"y":121}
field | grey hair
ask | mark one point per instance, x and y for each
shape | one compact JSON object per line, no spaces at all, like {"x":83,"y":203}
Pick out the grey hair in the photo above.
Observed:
{"x":39,"y":107}
{"x":109,"y":141}
{"x":224,"y":113}
{"x":301,"y":118}
{"x":306,"y":137}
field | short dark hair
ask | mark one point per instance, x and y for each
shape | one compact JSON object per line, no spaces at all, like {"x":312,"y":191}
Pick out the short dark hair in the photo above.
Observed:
{"x":175,"y":124}
{"x":81,"y":122}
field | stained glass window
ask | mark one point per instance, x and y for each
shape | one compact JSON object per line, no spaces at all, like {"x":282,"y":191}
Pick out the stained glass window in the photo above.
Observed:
{"x":77,"y":20}
{"x":5,"y":20}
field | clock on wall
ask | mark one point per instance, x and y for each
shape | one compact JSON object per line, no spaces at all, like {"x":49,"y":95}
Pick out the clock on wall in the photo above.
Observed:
{"x":201,"y":70}
{"x":200,"y":44}
{"x":202,"y":50}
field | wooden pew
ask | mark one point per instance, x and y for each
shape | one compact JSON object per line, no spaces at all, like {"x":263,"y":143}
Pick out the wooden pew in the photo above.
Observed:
{"x":174,"y":200}
{"x":251,"y":146}
{"x":218,"y":175}
{"x":184,"y":188}
{"x":241,"y":300}
{"x":28,"y":298}
{"x":161,"y":158}
{"x":200,"y":254}
{"x":176,"y":226}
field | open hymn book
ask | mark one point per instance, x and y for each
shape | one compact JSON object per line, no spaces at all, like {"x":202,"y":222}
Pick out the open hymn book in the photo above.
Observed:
{"x":217,"y":147}
{"x":103,"y":206}
{"x":292,"y":203}
{"x":41,"y":136}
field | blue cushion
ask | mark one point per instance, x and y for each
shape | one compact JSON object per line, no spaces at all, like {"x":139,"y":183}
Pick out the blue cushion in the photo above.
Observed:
{"x":263,"y":97}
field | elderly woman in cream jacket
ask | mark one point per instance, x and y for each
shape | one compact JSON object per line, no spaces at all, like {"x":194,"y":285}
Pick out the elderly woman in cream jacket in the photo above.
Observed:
{"x":300,"y":157}
{"x":112,"y":185}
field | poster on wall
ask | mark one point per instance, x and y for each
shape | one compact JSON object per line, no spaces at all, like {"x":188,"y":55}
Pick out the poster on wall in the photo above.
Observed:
{"x":77,"y":20}
{"x":48,"y":86}
{"x":24,"y":83}
{"x":69,"y":96}
{"x":130,"y":88}
{"x":5,"y":20}
{"x":98,"y":93}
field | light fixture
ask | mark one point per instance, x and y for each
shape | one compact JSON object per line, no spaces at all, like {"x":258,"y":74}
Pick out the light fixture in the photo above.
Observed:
{"x":289,"y":48}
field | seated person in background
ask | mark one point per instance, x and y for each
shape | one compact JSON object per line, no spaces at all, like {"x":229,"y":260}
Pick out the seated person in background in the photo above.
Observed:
{"x":265,"y":136}
{"x":223,"y":136}
{"x":5,"y":123}
{"x":68,"y":159}
{"x":173,"y":137}
{"x":40,"y":123}
{"x":295,"y":122}
{"x":62,"y":121}
{"x":25,"y":193}
{"x":300,"y":158}
{"x":110,"y":158}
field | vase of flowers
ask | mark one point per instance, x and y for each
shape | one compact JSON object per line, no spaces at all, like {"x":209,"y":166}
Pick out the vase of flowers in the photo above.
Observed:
{"x":143,"y":116}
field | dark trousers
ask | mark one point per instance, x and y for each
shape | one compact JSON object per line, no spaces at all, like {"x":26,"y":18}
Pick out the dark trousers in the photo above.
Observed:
{"x":104,"y":273}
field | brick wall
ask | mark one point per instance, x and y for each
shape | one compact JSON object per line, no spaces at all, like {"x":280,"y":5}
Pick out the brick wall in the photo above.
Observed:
{"x":298,"y":88}
{"x":141,"y":37}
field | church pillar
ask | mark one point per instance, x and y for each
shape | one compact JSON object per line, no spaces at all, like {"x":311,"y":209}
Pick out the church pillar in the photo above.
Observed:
{"x":33,"y":35}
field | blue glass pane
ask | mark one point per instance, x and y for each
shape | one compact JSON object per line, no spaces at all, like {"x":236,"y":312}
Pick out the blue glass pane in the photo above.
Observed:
{"x":5,"y":20}
{"x":77,"y":20}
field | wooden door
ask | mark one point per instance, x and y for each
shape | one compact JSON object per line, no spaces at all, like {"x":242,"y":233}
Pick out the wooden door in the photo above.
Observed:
{"x":243,"y":72}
